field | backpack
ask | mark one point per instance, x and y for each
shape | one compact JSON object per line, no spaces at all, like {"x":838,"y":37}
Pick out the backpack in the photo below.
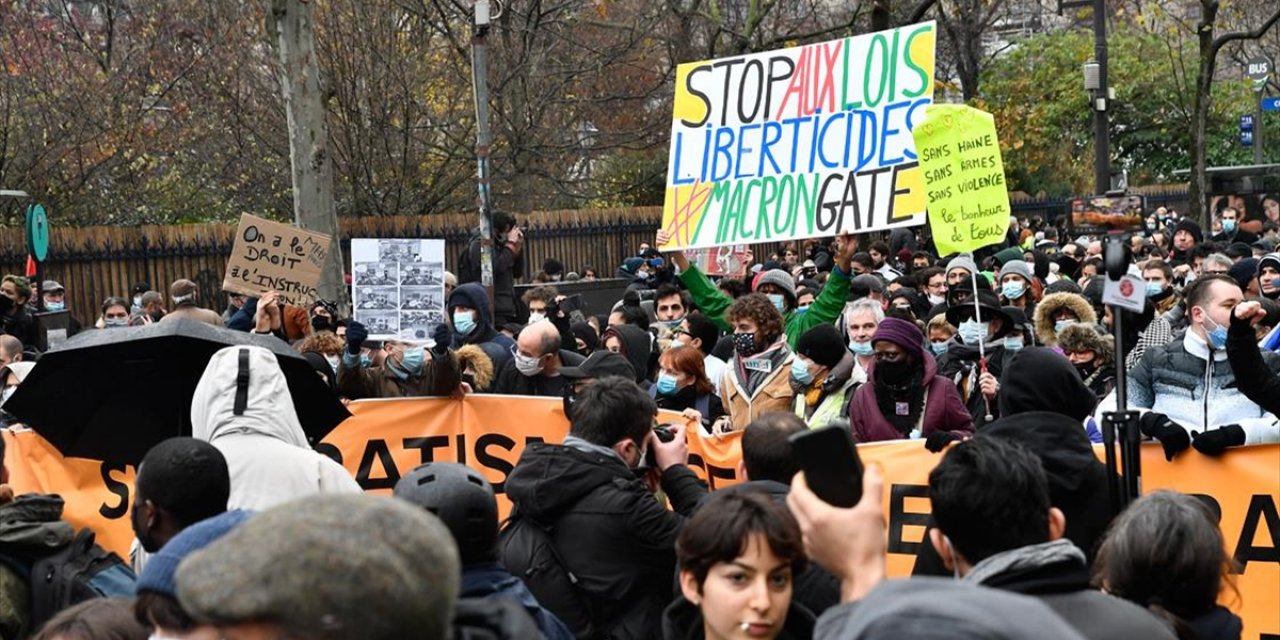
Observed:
{"x":80,"y":571}
{"x":528,"y":551}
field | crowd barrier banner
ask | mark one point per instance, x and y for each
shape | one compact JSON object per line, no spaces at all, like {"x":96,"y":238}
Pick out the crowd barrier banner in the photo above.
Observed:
{"x":384,"y":439}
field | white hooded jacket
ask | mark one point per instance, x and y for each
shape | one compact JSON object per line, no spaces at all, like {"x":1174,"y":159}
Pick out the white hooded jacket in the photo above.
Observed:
{"x":265,"y":447}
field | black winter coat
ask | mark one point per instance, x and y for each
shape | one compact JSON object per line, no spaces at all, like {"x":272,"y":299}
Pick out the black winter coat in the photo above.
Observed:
{"x":1253,"y":378}
{"x":608,"y":530}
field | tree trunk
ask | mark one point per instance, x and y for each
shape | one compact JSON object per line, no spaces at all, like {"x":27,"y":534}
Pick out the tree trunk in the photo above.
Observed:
{"x":1200,"y":113}
{"x":292,"y":34}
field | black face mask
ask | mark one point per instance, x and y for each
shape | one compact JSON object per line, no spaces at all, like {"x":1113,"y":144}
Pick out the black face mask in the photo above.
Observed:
{"x":1086,"y":369}
{"x":321,"y":323}
{"x":156,"y":315}
{"x":894,"y":373}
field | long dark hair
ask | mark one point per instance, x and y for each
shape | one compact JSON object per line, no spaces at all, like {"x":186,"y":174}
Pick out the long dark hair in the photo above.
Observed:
{"x":1166,"y":553}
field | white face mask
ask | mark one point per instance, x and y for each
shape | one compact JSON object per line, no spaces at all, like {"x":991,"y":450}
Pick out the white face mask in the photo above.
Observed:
{"x":333,"y":362}
{"x":536,"y":316}
{"x":528,"y":366}
{"x":6,"y":394}
{"x":936,"y":300}
{"x":677,"y":343}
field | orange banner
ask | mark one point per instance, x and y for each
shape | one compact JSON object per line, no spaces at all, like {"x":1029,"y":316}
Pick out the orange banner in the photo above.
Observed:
{"x":384,"y":439}
{"x":97,"y":494}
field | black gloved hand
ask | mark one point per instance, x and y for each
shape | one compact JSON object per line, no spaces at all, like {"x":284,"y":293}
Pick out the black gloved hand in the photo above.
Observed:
{"x":1213,"y":443}
{"x":1171,"y":435}
{"x":356,"y":335}
{"x":938,"y":440}
{"x":442,"y":336}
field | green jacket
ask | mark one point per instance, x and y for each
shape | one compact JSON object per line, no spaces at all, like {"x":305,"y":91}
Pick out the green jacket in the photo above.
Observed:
{"x":825,"y":308}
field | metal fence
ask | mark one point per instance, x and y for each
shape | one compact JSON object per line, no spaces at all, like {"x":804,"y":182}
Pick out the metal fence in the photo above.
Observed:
{"x":96,"y":262}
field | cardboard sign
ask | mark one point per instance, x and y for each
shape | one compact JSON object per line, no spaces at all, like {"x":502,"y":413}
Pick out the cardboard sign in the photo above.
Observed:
{"x":272,"y":256}
{"x":397,"y":287}
{"x":799,"y":143}
{"x":1129,"y":292}
{"x":964,"y":178}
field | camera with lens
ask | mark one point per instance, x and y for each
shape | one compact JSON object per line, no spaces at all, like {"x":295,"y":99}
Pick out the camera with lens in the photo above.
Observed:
{"x":664,"y":434}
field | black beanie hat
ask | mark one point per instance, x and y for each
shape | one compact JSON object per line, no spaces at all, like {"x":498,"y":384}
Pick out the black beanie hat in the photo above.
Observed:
{"x":822,"y":344}
{"x":1190,"y":226}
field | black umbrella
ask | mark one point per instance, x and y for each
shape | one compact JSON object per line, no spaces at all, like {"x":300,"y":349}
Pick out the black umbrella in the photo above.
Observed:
{"x":112,"y":394}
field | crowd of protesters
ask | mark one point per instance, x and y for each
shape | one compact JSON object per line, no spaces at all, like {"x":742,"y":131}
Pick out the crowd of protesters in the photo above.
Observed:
{"x":1002,"y":363}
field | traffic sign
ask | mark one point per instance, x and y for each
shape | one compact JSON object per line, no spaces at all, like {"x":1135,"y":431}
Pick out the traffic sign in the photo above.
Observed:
{"x":37,"y":232}
{"x":1259,"y":70}
{"x":1271,"y":104}
{"x":1246,"y":137}
{"x":1246,"y":122}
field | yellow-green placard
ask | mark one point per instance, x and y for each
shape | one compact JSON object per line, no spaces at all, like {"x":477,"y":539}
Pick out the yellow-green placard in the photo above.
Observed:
{"x":968,"y":201}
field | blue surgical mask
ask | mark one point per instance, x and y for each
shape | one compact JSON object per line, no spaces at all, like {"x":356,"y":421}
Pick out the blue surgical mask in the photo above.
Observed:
{"x":413,"y":359}
{"x":802,"y":309}
{"x":365,"y":360}
{"x":464,"y":322}
{"x":1228,"y":225}
{"x":1154,"y":289}
{"x":1217,"y":335}
{"x":779,"y":302}
{"x":114,"y":323}
{"x":1013,"y":289}
{"x":1014,"y":344}
{"x":55,"y":306}
{"x":972,"y":332}
{"x":861,"y":348}
{"x":938,"y":348}
{"x":666,"y":385}
{"x":1059,"y":325}
{"x":800,"y":371}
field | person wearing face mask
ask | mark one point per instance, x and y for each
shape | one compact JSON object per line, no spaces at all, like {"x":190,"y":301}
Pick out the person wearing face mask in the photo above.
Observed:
{"x":1057,"y":311}
{"x":634,"y":344}
{"x":904,"y":398}
{"x":859,"y":323}
{"x":683,"y":385}
{"x":1018,"y":286}
{"x":472,"y":323}
{"x":778,"y":285}
{"x":324,"y":316}
{"x":940,"y":333}
{"x":1020,"y":335}
{"x":15,"y":320}
{"x":758,"y":378}
{"x":1188,"y":388}
{"x":1231,"y":230}
{"x":405,"y":372}
{"x":535,"y":364}
{"x":115,"y":313}
{"x":582,"y":499}
{"x":962,"y":363}
{"x":822,"y":377}
{"x":1092,"y":354}
{"x":153,"y":310}
{"x":55,"y":299}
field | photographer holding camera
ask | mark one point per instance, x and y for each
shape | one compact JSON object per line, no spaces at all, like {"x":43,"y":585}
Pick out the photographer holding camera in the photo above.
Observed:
{"x":583,"y":501}
{"x":508,"y":264}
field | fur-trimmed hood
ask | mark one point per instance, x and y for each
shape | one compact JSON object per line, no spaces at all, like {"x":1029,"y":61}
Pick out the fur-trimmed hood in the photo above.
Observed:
{"x":1050,"y":305}
{"x":1086,"y":337}
{"x":474,"y":357}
